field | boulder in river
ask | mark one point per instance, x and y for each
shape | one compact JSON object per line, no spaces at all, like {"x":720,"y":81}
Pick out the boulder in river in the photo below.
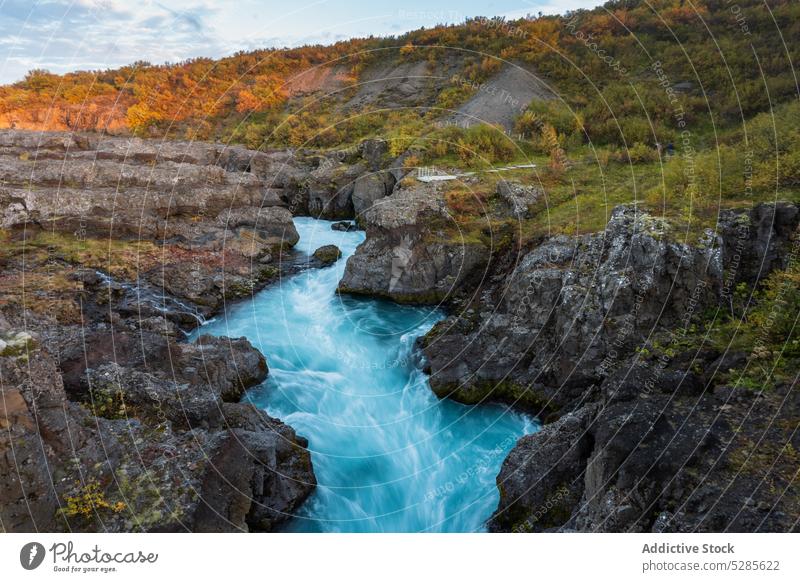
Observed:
{"x":328,"y":254}
{"x":344,"y":226}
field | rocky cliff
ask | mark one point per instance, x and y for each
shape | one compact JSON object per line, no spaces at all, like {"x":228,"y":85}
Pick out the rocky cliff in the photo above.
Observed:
{"x":421,"y":250}
{"x":646,"y":428}
{"x":112,"y":431}
{"x":407,"y":256}
{"x":112,"y":247}
{"x":560,"y":312}
{"x":644,"y":431}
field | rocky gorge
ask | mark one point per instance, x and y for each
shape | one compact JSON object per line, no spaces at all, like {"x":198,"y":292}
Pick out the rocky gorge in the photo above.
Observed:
{"x":114,"y":247}
{"x":644,"y":431}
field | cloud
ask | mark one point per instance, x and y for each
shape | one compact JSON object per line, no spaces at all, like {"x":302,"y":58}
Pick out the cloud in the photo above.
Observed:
{"x":68,"y":35}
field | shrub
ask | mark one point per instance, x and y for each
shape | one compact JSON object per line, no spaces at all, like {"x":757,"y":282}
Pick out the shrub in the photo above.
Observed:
{"x":719,"y":173}
{"x":640,"y":153}
{"x":452,"y":97}
{"x":483,"y":144}
{"x":550,"y":112}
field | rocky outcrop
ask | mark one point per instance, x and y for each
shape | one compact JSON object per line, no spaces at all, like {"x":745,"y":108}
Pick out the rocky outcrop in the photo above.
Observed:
{"x":757,"y":242}
{"x":370,"y":188}
{"x":633,"y":440}
{"x":139,"y":443}
{"x":341,"y":183}
{"x":537,"y":480}
{"x":500,"y":100}
{"x":220,"y":215}
{"x":121,"y":188}
{"x":568,"y":310}
{"x":518,"y":197}
{"x":344,"y":226}
{"x":658,"y":450}
{"x":408,"y":255}
{"x":329,"y":189}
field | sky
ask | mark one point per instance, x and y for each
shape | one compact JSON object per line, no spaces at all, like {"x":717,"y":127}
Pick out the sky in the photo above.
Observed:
{"x":68,"y":35}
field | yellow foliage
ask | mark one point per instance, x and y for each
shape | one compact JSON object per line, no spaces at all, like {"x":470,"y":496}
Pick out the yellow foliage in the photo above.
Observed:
{"x":90,"y":501}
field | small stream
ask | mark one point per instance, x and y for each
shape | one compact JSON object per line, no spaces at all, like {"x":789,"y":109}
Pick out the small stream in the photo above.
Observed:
{"x":388,"y":455}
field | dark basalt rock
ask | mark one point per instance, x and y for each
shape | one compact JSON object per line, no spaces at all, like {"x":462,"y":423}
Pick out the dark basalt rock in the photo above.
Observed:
{"x":653,"y":461}
{"x":329,"y":189}
{"x":568,"y":311}
{"x":757,"y":241}
{"x":344,"y":226}
{"x":370,"y":188}
{"x":557,"y":455}
{"x":154,"y":426}
{"x":328,"y":254}
{"x":115,"y":402}
{"x":403,"y":257}
{"x":643,"y":443}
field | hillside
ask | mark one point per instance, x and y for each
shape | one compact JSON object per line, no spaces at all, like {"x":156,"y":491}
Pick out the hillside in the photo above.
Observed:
{"x":601,"y":64}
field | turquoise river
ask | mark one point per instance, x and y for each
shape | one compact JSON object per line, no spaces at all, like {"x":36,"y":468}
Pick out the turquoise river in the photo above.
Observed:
{"x":389,"y":456}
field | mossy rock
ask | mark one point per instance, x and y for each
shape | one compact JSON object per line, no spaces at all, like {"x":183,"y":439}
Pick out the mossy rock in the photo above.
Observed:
{"x":328,"y":254}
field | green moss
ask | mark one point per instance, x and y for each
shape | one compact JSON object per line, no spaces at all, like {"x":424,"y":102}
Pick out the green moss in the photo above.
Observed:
{"x":759,"y":323}
{"x":523,"y":397}
{"x":120,"y":258}
{"x":108,"y":401}
{"x":16,"y":345}
{"x":328,"y":254}
{"x":267,"y":273}
{"x":147,"y":494}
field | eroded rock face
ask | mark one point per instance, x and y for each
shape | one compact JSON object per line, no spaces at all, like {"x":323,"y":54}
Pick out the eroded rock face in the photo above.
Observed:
{"x":657,"y":451}
{"x":537,"y":480}
{"x":406,"y":257}
{"x":166,"y":446}
{"x":370,"y":188}
{"x":131,"y":187}
{"x":757,"y":242}
{"x":634,"y":442}
{"x":220,"y":214}
{"x":32,"y":439}
{"x":544,"y":333}
{"x":330,"y":189}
